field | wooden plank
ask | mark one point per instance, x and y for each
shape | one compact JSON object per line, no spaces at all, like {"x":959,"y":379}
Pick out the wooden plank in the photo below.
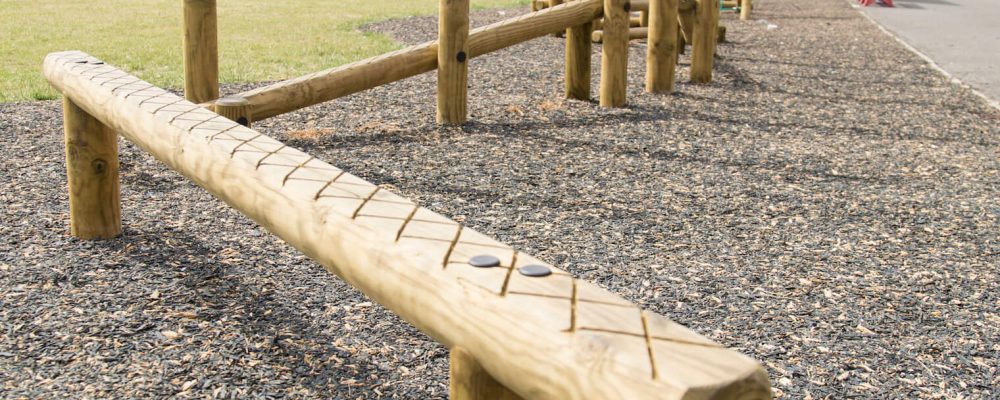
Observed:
{"x":307,"y":90}
{"x":469,"y":381}
{"x":92,"y":172}
{"x":745,"y":7}
{"x":551,"y":337}
{"x":201,"y":51}
{"x":614,"y":53}
{"x":453,"y":68}
{"x":703,"y":40}
{"x":661,"y":48}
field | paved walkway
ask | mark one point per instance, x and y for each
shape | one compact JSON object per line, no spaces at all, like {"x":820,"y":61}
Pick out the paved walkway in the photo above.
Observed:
{"x":961,"y":36}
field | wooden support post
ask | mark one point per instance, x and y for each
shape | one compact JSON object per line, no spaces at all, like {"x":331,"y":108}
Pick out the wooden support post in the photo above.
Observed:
{"x":703,"y":40}
{"x":661,"y":48}
{"x":644,"y":18}
{"x":453,"y":66}
{"x":681,"y":43}
{"x":614,"y":53}
{"x":686,"y":20}
{"x":201,"y":51}
{"x":745,"y":7}
{"x":92,"y":171}
{"x":469,"y":381}
{"x":720,"y":34}
{"x":578,"y":49}
{"x":236,"y":108}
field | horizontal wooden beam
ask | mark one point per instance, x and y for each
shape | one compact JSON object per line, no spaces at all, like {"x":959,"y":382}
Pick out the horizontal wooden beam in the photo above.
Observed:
{"x":315,"y":88}
{"x":543,"y":336}
{"x":635,"y":32}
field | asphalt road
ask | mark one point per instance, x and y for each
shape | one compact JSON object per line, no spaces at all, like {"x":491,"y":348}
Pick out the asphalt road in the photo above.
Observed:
{"x":961,"y":36}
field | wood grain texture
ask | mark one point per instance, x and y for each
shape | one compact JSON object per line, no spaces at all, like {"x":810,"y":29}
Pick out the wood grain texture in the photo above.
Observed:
{"x":92,"y":172}
{"x":330,"y":84}
{"x":614,"y":53}
{"x":201,"y":51}
{"x":553,"y":3}
{"x":452,"y":62}
{"x":745,"y":7}
{"x":661,"y":47}
{"x":686,"y":20}
{"x":236,"y":109}
{"x":555,"y":337}
{"x":703,"y":40}
{"x":578,"y":67}
{"x":634,"y":33}
{"x":469,"y":381}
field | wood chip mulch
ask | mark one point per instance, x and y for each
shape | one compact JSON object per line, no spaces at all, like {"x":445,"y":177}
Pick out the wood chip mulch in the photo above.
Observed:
{"x":828,"y":206}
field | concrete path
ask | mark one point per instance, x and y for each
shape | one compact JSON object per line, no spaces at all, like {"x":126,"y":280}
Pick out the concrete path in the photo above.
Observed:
{"x":961,"y":36}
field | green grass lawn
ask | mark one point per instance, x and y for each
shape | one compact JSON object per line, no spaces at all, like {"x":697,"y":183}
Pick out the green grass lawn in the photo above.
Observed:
{"x":258,"y":40}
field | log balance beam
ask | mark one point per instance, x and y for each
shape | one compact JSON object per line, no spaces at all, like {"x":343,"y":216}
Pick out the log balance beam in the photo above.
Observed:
{"x":517,"y":326}
{"x":315,"y":88}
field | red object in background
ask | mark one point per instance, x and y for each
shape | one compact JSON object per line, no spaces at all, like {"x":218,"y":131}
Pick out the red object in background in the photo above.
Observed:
{"x":866,"y":3}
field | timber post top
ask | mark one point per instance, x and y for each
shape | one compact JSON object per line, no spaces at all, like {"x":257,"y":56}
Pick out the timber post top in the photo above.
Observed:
{"x":551,"y":336}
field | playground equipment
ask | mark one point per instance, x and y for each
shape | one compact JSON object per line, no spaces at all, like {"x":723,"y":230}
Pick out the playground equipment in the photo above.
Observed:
{"x":684,"y":7}
{"x":455,"y":45}
{"x":516,"y":326}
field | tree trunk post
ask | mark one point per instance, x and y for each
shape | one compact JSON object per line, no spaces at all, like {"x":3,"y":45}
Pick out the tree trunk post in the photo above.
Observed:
{"x":469,"y":381}
{"x":92,"y":172}
{"x":661,"y":47}
{"x":453,"y":66}
{"x":201,"y":51}
{"x":614,"y":53}
{"x":703,"y":40}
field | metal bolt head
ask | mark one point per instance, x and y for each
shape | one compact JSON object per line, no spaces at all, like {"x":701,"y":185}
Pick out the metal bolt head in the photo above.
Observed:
{"x":628,"y":7}
{"x":535,"y":270}
{"x":484,"y":261}
{"x":461,"y":56}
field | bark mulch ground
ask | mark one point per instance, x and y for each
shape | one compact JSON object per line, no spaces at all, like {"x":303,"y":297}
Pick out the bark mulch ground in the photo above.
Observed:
{"x":828,"y":205}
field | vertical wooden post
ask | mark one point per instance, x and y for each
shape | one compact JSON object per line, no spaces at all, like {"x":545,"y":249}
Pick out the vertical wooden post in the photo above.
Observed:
{"x":661,"y":47}
{"x":578,"y":49}
{"x":453,"y":68}
{"x":237,"y":109}
{"x":644,"y":18}
{"x":703,"y":40}
{"x":685,"y":19}
{"x":92,"y":171}
{"x":745,"y":7}
{"x":469,"y":381}
{"x":614,"y":53}
{"x":201,"y":51}
{"x":553,"y":3}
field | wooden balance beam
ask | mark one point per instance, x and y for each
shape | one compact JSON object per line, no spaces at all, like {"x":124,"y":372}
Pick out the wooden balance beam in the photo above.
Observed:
{"x":319,"y":87}
{"x":514,"y":323}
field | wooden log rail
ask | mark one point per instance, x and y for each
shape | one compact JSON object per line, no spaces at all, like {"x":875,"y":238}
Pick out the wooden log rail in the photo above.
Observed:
{"x":315,"y":88}
{"x":509,"y":324}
